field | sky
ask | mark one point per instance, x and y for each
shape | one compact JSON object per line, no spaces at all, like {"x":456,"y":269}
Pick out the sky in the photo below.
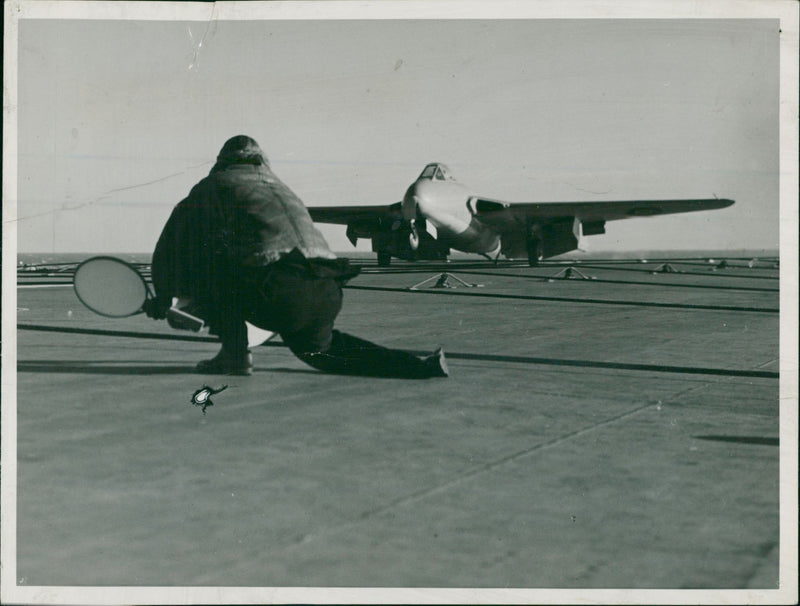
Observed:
{"x":117,"y":119}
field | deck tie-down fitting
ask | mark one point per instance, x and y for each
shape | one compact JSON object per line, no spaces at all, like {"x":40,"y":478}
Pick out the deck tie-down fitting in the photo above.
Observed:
{"x":443,"y":281}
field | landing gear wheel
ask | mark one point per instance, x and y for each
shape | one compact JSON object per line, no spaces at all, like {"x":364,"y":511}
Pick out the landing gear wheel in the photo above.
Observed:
{"x":413,"y":239}
{"x":384,"y":259}
{"x":535,"y":251}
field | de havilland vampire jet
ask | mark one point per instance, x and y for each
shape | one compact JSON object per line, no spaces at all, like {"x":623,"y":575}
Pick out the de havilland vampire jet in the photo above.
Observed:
{"x":471,"y":223}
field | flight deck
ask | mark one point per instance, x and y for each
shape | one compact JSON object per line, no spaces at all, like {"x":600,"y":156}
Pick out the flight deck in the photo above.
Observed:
{"x":606,"y":424}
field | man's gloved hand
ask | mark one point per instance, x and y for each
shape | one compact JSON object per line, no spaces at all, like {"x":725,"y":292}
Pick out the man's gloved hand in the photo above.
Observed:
{"x":156,"y":308}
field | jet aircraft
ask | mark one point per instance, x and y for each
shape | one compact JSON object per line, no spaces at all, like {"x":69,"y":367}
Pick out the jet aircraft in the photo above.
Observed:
{"x":471,"y":223}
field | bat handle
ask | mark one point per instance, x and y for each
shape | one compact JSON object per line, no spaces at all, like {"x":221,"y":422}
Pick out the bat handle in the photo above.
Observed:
{"x":184,"y":321}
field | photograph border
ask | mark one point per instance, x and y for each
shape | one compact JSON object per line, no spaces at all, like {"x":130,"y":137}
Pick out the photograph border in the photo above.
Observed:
{"x":785,"y":10}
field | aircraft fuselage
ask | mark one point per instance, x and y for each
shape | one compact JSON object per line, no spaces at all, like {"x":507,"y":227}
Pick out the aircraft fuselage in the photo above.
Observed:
{"x":444,"y":205}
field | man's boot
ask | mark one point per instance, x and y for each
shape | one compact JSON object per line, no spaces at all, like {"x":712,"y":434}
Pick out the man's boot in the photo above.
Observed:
{"x":227,"y":363}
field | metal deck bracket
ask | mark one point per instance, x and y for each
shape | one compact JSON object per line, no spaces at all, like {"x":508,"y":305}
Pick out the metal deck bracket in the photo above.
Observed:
{"x":665,"y":268}
{"x":570,"y":273}
{"x":443,"y":281}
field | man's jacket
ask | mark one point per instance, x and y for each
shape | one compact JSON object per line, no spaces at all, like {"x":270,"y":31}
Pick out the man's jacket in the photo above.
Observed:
{"x":240,"y":216}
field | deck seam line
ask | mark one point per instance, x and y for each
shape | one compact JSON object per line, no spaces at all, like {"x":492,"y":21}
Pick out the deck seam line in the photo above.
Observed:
{"x":488,"y":467}
{"x":609,"y":281}
{"x":520,"y":454}
{"x":576,"y":300}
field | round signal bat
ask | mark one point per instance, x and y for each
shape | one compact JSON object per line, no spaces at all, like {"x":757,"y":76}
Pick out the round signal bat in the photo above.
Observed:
{"x":114,"y":288}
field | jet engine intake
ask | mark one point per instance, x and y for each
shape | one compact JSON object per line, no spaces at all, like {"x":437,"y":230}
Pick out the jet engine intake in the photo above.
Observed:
{"x":478,"y":206}
{"x":593,"y":228}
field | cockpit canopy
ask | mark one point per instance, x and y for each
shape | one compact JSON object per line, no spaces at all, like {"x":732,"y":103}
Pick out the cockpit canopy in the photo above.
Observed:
{"x":436,"y":172}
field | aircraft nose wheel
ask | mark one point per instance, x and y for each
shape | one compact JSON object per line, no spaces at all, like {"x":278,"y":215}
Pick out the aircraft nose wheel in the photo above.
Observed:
{"x":413,"y":236}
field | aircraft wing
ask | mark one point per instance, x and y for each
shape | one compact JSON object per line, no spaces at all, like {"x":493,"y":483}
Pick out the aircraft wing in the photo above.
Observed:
{"x":345,"y":215}
{"x":507,"y":215}
{"x":361,"y":221}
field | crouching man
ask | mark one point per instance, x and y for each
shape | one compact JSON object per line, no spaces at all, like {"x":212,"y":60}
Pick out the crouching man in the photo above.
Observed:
{"x":243,"y":247}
